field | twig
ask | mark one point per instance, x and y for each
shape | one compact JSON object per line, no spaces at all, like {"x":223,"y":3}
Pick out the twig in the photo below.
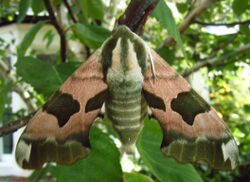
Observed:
{"x":70,"y":11}
{"x":216,"y":60}
{"x":247,"y":22}
{"x":15,"y":125}
{"x":197,"y":11}
{"x":28,"y":19}
{"x":58,"y":28}
{"x":16,"y":86}
{"x":137,"y":13}
{"x":244,"y":165}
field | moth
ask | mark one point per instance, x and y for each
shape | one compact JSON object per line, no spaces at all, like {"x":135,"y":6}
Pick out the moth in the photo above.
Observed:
{"x":132,"y":81}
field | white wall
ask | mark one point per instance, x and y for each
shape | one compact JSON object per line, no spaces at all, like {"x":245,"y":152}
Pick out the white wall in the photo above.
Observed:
{"x":8,"y":166}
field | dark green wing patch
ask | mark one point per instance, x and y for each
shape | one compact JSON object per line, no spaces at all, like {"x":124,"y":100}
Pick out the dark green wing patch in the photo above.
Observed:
{"x":62,"y":106}
{"x":154,"y":101}
{"x":214,"y":151}
{"x":188,"y":105}
{"x":96,"y":102}
{"x":36,"y":152}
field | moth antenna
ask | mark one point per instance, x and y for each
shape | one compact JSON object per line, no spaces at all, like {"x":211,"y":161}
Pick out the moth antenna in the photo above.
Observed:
{"x":152,"y":66}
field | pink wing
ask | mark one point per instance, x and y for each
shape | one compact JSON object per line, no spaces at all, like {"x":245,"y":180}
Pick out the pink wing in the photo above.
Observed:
{"x":59,"y":130}
{"x":192,"y":129}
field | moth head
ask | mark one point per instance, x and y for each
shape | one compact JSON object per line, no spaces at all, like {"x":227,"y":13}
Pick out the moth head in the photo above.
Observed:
{"x":128,"y":42}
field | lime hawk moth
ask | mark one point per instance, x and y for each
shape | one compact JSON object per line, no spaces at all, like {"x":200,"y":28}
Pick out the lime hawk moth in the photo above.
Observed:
{"x":132,"y":81}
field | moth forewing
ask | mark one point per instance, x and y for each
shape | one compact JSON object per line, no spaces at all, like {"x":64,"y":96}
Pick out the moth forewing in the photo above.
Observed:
{"x":192,"y":129}
{"x":58,"y":132}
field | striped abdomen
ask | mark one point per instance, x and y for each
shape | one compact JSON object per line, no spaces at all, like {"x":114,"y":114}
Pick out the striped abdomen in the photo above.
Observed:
{"x":127,"y":109}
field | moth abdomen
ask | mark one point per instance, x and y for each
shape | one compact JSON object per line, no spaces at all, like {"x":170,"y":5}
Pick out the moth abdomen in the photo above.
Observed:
{"x":127,"y":111}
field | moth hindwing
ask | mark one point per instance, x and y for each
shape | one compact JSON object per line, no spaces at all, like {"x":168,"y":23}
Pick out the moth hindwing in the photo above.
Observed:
{"x":128,"y":77}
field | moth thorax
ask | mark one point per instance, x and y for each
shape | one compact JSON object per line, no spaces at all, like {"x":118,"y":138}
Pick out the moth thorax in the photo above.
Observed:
{"x":124,"y":56}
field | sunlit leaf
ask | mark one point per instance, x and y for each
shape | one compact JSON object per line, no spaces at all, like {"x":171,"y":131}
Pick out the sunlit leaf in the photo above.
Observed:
{"x":91,"y":35}
{"x":164,"y":168}
{"x":44,"y":77}
{"x":93,"y":8}
{"x":136,"y":177}
{"x":37,"y":6}
{"x":240,"y":6}
{"x":164,"y":15}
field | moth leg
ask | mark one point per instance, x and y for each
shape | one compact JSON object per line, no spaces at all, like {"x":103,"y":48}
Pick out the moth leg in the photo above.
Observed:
{"x":150,"y":113}
{"x":102,"y":112}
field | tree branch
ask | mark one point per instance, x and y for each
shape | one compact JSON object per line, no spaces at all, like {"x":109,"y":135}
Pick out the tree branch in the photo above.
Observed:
{"x":4,"y":71}
{"x":70,"y":11}
{"x":200,"y":7}
{"x":216,"y":60}
{"x":247,"y":22}
{"x":58,"y":27}
{"x":15,"y":125}
{"x":136,"y":14}
{"x":28,"y":19}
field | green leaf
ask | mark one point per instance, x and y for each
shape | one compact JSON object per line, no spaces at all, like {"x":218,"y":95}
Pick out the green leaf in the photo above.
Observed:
{"x":44,"y":77}
{"x":103,"y":163}
{"x":247,"y":108}
{"x":41,"y":173}
{"x":167,"y":54}
{"x":182,"y":7}
{"x":93,"y":8}
{"x":66,"y":69}
{"x":22,"y":9}
{"x":37,"y":6}
{"x":91,"y":35}
{"x":49,"y":37}
{"x":164,"y":15}
{"x":56,"y":2}
{"x":3,"y":96}
{"x":240,"y":6}
{"x":136,"y":177}
{"x":28,"y":38}
{"x":164,"y":168}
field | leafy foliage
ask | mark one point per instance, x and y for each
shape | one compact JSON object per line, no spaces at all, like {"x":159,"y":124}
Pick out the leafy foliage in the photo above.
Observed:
{"x":29,"y":37}
{"x":164,"y":15}
{"x":91,"y":35}
{"x":164,"y":168}
{"x":136,"y":177}
{"x":23,"y":8}
{"x":3,"y":96}
{"x":93,"y":9}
